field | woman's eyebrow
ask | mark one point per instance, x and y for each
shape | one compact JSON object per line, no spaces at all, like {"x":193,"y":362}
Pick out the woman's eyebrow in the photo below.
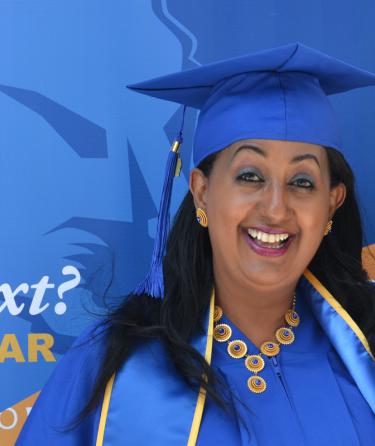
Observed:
{"x":261,"y":152}
{"x":256,"y":149}
{"x":306,"y":156}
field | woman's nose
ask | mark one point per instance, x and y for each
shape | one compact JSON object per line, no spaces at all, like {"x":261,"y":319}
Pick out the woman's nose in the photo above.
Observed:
{"x":274,"y":203}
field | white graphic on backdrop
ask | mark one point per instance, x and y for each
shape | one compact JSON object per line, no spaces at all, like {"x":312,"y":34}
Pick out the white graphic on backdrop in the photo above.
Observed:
{"x":38,"y":300}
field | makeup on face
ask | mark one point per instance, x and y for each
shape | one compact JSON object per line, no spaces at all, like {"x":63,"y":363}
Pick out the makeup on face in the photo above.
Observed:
{"x":266,"y":240}
{"x":269,"y":242}
{"x":267,"y":204}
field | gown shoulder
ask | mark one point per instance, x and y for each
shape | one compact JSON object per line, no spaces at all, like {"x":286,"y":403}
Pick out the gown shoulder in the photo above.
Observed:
{"x":52,"y":419}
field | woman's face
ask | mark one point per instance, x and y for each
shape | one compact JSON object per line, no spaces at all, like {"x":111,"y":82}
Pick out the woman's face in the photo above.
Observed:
{"x":268,"y":203}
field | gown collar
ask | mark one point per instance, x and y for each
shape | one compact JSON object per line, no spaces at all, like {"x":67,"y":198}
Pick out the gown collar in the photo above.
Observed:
{"x":344,"y":334}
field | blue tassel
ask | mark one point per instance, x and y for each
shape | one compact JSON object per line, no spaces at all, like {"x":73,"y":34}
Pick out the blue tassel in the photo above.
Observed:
{"x":153,"y":283}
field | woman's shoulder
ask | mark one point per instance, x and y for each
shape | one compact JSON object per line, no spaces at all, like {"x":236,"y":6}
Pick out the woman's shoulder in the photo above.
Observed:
{"x":83,"y":359}
{"x":66,"y":393}
{"x":89,"y":343}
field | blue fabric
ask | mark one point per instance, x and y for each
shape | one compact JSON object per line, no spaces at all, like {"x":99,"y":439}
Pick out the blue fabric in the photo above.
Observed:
{"x":280,"y":93}
{"x":279,"y":105}
{"x":314,"y":401}
{"x":65,"y":395}
{"x":352,"y":352}
{"x":150,"y":405}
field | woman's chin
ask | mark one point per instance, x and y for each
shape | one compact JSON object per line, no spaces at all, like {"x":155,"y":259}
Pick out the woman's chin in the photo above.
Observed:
{"x":266,"y":275}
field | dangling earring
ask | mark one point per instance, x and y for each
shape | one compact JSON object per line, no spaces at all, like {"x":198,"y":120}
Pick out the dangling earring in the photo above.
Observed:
{"x":328,"y":228}
{"x":202,"y":217}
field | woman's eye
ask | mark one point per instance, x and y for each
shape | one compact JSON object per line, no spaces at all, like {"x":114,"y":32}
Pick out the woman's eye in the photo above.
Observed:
{"x":304,"y":183}
{"x":249,"y":177}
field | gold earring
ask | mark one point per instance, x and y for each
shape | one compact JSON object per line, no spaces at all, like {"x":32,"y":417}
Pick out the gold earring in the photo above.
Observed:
{"x":328,"y":228}
{"x":202,"y":217}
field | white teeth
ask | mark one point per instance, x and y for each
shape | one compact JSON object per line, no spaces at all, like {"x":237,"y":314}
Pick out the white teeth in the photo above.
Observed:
{"x":266,"y":237}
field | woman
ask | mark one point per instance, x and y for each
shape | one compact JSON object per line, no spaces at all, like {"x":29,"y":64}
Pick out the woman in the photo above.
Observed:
{"x":265,"y":331}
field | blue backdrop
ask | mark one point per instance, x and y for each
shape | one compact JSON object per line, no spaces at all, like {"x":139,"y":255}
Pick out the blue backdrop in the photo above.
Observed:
{"x":81,"y":157}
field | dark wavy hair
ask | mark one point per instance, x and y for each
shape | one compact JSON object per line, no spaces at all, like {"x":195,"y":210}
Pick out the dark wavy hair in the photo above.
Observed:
{"x":189,"y":279}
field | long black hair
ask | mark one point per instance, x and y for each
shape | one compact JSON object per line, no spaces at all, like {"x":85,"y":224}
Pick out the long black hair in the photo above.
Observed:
{"x":189,"y":279}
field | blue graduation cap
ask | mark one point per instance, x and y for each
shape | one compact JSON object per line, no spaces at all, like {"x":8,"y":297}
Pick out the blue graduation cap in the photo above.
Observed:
{"x":280,"y":93}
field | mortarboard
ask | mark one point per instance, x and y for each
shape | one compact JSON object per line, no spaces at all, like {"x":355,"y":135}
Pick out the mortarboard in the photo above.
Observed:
{"x":280,"y":93}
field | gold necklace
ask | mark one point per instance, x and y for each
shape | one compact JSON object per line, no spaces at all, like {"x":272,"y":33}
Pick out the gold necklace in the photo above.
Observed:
{"x":254,"y":362}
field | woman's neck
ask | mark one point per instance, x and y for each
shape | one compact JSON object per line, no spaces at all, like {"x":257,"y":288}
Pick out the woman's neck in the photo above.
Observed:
{"x":257,"y":313}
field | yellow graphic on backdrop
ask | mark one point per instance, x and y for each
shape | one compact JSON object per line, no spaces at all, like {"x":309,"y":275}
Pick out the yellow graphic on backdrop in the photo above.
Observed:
{"x":368,"y":260}
{"x":38,"y":347}
{"x":13,"y":418}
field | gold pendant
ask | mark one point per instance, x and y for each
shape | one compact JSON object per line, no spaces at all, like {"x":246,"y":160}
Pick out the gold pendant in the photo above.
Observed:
{"x":256,"y":384}
{"x":270,"y":348}
{"x":218,"y":312}
{"x":222,"y":332}
{"x":237,"y":349}
{"x":292,"y":318}
{"x":254,"y":363}
{"x":284,"y":335}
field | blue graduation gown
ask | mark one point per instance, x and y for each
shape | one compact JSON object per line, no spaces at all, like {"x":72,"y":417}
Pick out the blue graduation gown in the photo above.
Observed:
{"x":310,"y":399}
{"x":320,"y":391}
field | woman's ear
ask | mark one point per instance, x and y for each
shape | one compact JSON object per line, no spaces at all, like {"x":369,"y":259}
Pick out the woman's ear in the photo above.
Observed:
{"x":198,"y":187}
{"x":336,"y":198}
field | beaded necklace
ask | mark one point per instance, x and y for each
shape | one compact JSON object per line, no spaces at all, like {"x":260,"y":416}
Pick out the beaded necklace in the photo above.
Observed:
{"x":254,"y":362}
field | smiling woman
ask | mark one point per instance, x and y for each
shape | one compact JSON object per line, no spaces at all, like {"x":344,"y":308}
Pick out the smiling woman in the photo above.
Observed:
{"x":257,"y":326}
{"x":261,"y":191}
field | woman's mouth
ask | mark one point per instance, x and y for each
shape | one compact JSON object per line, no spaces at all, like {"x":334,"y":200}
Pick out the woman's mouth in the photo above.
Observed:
{"x":267,"y":244}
